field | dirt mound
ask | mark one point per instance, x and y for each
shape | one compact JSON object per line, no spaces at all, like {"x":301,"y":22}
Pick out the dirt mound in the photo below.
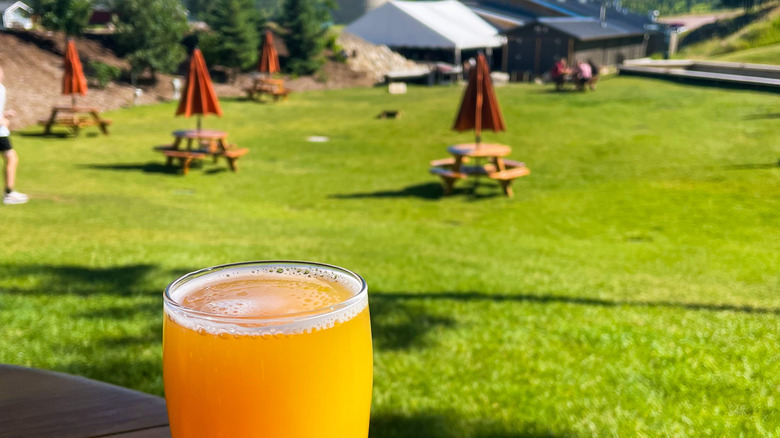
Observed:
{"x":32,"y":62}
{"x":371,"y":59}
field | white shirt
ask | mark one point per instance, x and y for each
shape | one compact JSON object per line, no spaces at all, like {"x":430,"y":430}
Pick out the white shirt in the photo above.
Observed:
{"x":4,"y":132}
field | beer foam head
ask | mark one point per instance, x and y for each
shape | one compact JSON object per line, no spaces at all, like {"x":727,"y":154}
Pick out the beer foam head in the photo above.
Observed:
{"x":265,"y":298}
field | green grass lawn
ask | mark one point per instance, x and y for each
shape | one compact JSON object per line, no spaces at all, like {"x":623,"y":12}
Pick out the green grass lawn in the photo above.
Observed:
{"x":631,"y":287}
{"x":753,"y":37}
{"x":759,"y":55}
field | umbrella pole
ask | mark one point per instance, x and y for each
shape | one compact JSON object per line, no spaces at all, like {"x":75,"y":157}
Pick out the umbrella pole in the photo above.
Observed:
{"x":199,"y":122}
{"x":73,"y":100}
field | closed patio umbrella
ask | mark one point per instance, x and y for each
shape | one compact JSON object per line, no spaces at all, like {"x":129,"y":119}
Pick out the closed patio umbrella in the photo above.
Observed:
{"x":199,"y":96}
{"x":479,"y":109}
{"x":73,"y":81}
{"x":269,"y":59}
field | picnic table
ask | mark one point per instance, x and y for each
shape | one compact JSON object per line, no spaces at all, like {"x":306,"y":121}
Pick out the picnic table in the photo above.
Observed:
{"x":267,"y":86}
{"x":197,"y":144}
{"x":38,"y":403}
{"x":74,"y":118}
{"x":496,"y":167}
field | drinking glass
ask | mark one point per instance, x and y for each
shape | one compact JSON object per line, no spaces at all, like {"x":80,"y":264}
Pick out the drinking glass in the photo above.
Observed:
{"x":278,"y":349}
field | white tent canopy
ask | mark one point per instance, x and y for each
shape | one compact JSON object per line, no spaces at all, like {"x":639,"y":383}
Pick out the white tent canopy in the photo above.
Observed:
{"x":446,"y":24}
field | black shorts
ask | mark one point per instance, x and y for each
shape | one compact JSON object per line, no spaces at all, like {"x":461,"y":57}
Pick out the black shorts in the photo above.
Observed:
{"x":5,"y":144}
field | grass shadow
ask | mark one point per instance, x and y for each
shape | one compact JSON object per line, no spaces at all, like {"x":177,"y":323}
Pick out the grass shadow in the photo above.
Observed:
{"x":411,"y":426}
{"x":48,"y":280}
{"x":125,"y":312}
{"x":398,"y":325}
{"x":143,"y":167}
{"x":430,"y":191}
{"x":441,"y":425}
{"x":768,"y":116}
{"x":752,"y":166}
{"x":585,"y":301}
{"x":215,"y":171}
{"x":129,"y":356}
{"x":61,"y":135}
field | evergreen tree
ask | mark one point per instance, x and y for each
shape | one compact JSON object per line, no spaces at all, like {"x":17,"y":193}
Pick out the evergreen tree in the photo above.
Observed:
{"x":306,"y":21}
{"x":68,"y":16}
{"x":197,"y":8}
{"x":234,"y":39}
{"x":149,"y":32}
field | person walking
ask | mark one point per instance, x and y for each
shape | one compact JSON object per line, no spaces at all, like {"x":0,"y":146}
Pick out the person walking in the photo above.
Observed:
{"x":10,"y":158}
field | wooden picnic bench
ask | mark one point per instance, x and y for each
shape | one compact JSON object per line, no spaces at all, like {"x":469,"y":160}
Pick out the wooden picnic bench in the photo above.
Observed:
{"x":448,"y":177}
{"x":272,"y":87}
{"x":196,"y":145}
{"x":185,"y":157}
{"x":74,"y":118}
{"x":505,"y":178}
{"x":504,"y":171}
{"x":232,"y":155}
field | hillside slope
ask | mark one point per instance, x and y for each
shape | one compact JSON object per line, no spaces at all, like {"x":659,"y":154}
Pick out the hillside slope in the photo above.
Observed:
{"x":33,"y":68}
{"x":32,"y":62}
{"x":745,"y":32}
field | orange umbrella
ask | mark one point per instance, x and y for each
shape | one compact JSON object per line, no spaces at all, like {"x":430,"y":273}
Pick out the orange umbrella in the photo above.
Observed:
{"x":199,"y":96}
{"x":73,"y":82}
{"x":479,"y":109}
{"x":269,"y":59}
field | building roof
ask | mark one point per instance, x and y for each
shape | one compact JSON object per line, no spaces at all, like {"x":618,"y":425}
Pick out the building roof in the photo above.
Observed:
{"x":5,"y":5}
{"x":446,"y":24}
{"x":588,"y":28}
{"x":592,"y":8}
{"x":499,"y":17}
{"x":616,"y":15}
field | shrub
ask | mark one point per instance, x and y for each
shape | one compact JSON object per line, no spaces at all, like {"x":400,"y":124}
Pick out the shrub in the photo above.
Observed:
{"x":104,"y":73}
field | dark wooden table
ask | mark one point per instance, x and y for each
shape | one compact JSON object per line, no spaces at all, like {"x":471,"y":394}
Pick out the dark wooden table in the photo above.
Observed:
{"x":38,"y":403}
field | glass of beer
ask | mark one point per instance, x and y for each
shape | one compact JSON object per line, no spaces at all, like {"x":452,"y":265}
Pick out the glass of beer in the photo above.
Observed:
{"x":274,"y":349}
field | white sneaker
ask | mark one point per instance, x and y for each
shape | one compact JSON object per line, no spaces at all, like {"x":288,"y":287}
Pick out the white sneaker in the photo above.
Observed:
{"x":14,"y":198}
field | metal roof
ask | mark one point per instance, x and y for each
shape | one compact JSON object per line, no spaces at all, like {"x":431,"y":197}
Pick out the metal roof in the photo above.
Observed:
{"x":425,"y":24}
{"x":616,"y":16}
{"x":588,"y":28}
{"x":498,"y":16}
{"x":5,"y":5}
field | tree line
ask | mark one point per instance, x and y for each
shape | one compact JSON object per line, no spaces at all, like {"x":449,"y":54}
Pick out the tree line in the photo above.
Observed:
{"x":151,"y":34}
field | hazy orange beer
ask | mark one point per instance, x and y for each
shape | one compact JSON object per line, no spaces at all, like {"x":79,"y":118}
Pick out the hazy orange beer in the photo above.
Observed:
{"x":268,"y":349}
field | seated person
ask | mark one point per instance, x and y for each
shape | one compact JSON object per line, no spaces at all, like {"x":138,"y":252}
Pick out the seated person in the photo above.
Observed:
{"x":595,"y":70}
{"x":583,"y":73}
{"x":559,"y":72}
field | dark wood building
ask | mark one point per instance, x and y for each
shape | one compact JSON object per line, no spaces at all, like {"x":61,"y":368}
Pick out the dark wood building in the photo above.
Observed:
{"x":533,"y":48}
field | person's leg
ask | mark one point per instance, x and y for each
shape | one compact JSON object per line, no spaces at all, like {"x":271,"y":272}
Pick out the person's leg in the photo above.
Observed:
{"x":9,"y":173}
{"x":10,"y":196}
{"x":10,"y":159}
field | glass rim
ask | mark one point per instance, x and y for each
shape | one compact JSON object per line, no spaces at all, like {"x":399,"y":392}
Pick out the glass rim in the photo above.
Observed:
{"x":265,"y":320}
